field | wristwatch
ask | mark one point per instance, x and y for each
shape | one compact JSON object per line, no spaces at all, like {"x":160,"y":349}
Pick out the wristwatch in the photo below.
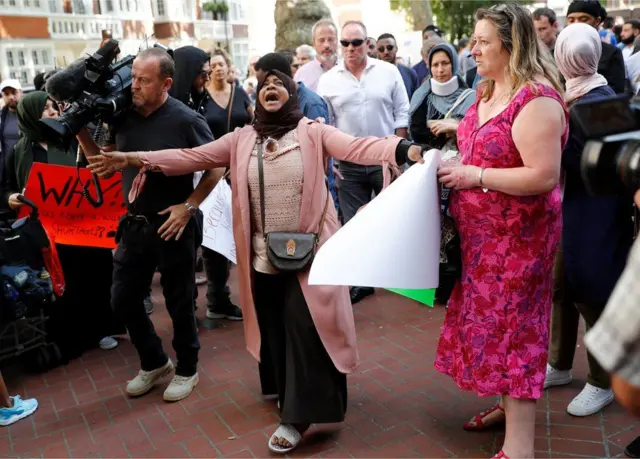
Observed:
{"x":190,"y":208}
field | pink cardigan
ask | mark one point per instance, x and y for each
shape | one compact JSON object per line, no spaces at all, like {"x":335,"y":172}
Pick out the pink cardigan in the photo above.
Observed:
{"x":330,"y":306}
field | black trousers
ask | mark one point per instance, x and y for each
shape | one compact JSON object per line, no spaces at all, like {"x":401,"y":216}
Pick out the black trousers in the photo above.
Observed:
{"x":356,"y":187}
{"x":138,"y":254}
{"x":310,"y":388}
{"x":217,"y":268}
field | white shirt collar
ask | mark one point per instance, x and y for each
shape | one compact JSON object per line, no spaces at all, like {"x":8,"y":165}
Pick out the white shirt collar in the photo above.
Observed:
{"x":370,"y":63}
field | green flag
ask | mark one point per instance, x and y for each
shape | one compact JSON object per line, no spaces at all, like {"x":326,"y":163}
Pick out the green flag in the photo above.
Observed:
{"x":421,"y":296}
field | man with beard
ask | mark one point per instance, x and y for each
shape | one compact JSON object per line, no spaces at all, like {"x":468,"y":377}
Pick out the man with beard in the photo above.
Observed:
{"x":9,"y":133}
{"x":387,"y":51}
{"x":324,"y":37}
{"x":630,"y":31}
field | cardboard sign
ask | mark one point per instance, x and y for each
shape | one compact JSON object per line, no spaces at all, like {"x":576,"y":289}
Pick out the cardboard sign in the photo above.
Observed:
{"x":64,"y":211}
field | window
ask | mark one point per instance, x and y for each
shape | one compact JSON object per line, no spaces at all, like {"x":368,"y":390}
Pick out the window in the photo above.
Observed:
{"x":160,"y":7}
{"x":240,"y":55}
{"x":108,"y":6}
{"x":22,"y":63}
{"x":21,"y":60}
{"x":79,"y":7}
{"x":10,"y":59}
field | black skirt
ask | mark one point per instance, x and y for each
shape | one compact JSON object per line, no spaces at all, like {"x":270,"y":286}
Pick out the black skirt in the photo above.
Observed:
{"x":295,"y":364}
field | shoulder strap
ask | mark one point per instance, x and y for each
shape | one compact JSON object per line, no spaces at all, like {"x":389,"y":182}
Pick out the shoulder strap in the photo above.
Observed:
{"x":261,"y":180}
{"x":459,"y":100}
{"x":230,"y":107}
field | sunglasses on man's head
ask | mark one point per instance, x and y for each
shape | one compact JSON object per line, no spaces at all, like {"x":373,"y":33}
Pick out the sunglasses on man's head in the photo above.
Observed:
{"x":357,"y":42}
{"x":389,"y":48}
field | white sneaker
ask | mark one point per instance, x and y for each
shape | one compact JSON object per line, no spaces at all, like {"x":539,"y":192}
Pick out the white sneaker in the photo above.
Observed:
{"x":180,"y":387}
{"x":591,"y":400}
{"x":108,"y":343}
{"x":145,"y":380}
{"x":557,"y":377}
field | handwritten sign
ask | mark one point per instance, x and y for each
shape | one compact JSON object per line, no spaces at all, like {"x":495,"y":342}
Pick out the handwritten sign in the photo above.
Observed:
{"x":65,"y":212}
{"x":218,"y":223}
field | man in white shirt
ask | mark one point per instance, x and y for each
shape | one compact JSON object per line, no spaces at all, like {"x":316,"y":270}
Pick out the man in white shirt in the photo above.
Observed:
{"x":365,"y":97}
{"x":324,"y":37}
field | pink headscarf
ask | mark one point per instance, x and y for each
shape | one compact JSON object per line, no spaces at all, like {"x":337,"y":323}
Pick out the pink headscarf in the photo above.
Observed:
{"x":577,"y":53}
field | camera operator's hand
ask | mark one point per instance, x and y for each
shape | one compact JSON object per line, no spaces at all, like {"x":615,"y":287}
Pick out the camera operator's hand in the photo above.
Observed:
{"x":107,"y":163}
{"x":13,"y":201}
{"x":176,"y":223}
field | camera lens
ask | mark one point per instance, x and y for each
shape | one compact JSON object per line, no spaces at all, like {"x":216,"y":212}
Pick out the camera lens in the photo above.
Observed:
{"x":628,"y":164}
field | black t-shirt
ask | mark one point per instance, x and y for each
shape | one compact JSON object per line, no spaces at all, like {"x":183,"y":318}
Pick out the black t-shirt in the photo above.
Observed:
{"x":217,"y":116}
{"x":173,"y":125}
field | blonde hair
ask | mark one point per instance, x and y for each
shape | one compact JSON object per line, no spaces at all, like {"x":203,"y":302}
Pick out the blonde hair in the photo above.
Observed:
{"x":529,"y":58}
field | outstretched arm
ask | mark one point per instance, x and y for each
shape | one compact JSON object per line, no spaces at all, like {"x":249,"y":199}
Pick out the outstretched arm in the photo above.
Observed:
{"x":171,"y":162}
{"x":368,"y":151}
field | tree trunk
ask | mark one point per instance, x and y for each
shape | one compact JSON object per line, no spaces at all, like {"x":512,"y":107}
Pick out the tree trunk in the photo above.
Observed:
{"x":294,"y":20}
{"x":421,"y":14}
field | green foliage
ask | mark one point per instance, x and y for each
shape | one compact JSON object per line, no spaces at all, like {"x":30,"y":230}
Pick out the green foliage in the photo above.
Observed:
{"x":454,"y":17}
{"x":217,"y":7}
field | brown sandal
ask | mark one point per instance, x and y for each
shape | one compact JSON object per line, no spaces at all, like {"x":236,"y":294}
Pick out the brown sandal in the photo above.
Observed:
{"x":479,"y":424}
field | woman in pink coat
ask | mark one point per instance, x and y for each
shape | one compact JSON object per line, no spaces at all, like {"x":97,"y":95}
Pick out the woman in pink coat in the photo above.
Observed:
{"x":309,"y":329}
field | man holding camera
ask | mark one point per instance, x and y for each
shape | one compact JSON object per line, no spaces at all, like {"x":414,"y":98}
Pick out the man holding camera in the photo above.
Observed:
{"x":159,"y":228}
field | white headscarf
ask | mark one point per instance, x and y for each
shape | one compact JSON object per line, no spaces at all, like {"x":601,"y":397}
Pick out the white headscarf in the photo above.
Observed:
{"x":577,"y":53}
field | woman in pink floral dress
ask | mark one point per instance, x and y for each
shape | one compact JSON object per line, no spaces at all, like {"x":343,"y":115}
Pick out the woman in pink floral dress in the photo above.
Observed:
{"x":507,"y":209}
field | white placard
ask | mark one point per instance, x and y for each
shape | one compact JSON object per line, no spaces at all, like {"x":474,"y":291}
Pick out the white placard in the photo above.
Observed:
{"x":394,"y":242}
{"x":218,"y":223}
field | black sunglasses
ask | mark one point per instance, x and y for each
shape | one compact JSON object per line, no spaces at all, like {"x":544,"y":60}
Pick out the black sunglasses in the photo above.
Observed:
{"x":357,"y":42}
{"x":205,"y":73}
{"x":389,"y":48}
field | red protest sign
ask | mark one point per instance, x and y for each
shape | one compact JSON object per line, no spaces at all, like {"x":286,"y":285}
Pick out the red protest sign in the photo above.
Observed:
{"x":64,"y":211}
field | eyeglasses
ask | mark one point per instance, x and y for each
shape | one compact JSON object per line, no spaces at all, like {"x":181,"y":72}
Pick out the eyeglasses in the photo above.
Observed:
{"x":357,"y":42}
{"x":389,"y":48}
{"x":372,"y":46}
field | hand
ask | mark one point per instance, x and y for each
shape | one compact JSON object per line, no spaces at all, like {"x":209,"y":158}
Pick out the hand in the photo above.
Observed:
{"x":459,"y":176}
{"x":636,"y":198}
{"x":415,"y":154}
{"x":13,"y":201}
{"x":449,"y":127}
{"x":107,"y":163}
{"x":176,"y":223}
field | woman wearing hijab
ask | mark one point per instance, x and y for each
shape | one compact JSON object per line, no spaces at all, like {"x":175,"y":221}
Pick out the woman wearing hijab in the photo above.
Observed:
{"x":277,"y":166}
{"x":436,"y":109}
{"x":82,"y":318}
{"x":597,"y":231}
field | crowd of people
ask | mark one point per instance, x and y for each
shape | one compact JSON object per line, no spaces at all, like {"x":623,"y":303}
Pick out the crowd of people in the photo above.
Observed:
{"x":308,"y":139}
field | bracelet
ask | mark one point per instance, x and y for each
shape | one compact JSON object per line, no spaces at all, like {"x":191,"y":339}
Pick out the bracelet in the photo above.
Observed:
{"x":190,"y":208}
{"x":480,"y":181}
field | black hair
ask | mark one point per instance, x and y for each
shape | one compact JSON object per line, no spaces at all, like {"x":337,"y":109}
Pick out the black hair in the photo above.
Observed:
{"x":634,"y":23}
{"x":545,"y":12}
{"x":38,"y":81}
{"x":275,"y":61}
{"x":387,"y":35}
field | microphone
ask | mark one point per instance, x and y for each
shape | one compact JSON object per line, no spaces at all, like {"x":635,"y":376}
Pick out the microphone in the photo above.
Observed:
{"x":67,"y":83}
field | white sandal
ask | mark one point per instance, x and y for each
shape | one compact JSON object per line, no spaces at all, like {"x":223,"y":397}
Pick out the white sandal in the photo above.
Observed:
{"x":289,"y":433}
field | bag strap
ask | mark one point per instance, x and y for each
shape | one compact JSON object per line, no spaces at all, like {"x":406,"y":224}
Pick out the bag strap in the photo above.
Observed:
{"x":261,"y":183}
{"x":261,"y":180}
{"x":459,"y":100}
{"x":230,"y":107}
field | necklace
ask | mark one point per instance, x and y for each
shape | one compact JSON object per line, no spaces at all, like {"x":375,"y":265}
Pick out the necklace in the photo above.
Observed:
{"x":495,"y":99}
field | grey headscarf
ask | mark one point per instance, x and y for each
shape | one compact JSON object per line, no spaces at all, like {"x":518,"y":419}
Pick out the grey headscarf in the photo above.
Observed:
{"x":439,"y":105}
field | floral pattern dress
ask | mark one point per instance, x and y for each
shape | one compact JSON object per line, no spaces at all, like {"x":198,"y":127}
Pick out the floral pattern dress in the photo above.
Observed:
{"x":495,"y":336}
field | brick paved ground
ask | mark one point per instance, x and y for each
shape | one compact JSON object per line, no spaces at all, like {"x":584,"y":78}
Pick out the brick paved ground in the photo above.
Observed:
{"x":399,"y":406}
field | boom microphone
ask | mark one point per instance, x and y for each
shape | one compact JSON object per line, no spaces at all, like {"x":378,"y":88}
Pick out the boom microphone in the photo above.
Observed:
{"x":68,"y":83}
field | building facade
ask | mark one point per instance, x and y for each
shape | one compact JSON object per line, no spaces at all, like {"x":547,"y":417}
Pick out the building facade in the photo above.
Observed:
{"x":38,"y":35}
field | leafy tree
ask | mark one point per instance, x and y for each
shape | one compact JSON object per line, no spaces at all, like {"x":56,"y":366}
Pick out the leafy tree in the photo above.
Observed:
{"x":455,"y":17}
{"x":294,"y":20}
